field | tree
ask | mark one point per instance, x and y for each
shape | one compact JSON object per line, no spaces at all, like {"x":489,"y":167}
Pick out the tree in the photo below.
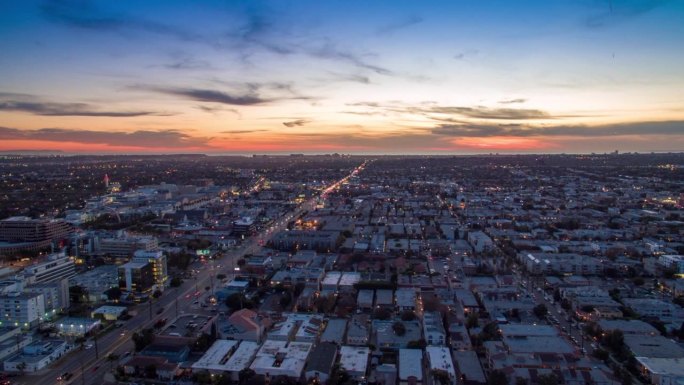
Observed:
{"x":601,"y":354}
{"x":111,"y":358}
{"x":565,"y":304}
{"x":78,"y":294}
{"x":244,"y":375}
{"x":399,"y":328}
{"x":408,"y":315}
{"x":417,"y":344}
{"x":151,"y":371}
{"x":382,"y":314}
{"x":442,"y":376}
{"x":21,"y":366}
{"x":497,"y":377}
{"x":547,"y":379}
{"x":473,"y":320}
{"x":540,"y":311}
{"x":142,"y":339}
{"x":238,"y":301}
{"x":520,"y":381}
{"x":113,"y":293}
{"x":176,"y":282}
{"x":614,"y":340}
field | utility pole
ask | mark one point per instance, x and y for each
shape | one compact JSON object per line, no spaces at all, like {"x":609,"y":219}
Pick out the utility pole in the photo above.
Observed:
{"x":97,"y":352}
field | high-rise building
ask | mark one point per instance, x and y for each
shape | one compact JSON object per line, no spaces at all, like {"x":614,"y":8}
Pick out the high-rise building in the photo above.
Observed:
{"x":158,"y":261}
{"x":136,"y":277}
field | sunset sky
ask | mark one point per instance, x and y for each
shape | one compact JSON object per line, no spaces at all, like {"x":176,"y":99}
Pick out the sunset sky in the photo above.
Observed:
{"x":381,"y":77}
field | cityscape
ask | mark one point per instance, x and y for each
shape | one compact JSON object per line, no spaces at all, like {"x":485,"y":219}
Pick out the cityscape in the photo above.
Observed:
{"x":341,"y":193}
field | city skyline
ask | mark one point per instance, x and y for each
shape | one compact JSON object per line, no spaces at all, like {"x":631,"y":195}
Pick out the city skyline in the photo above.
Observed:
{"x":349,"y":77}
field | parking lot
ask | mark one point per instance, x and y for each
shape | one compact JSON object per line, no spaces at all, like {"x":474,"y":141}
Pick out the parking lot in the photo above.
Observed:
{"x":187,"y":325}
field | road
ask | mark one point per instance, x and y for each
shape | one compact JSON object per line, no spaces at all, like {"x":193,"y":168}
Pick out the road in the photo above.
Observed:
{"x":88,"y":366}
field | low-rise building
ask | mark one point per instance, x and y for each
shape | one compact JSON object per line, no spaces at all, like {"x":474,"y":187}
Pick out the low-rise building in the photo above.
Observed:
{"x":281,"y":358}
{"x":321,"y":363}
{"x":433,"y":329}
{"x":36,"y":356}
{"x":410,"y":367}
{"x":354,"y":360}
{"x":439,"y":359}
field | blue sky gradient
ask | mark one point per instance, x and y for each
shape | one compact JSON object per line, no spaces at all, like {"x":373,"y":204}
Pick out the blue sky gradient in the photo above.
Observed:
{"x":345,"y":76}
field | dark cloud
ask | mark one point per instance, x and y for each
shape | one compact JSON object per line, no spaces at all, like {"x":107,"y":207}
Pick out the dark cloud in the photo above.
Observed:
{"x":513,"y":101}
{"x":218,"y":109}
{"x":436,"y":112}
{"x":84,"y":15}
{"x":612,"y":12}
{"x":30,"y":105}
{"x":140,"y":138}
{"x":399,"y":24}
{"x":491,"y":113}
{"x":675,"y":127}
{"x":207,"y":95}
{"x":296,"y":123}
{"x":242,"y":131}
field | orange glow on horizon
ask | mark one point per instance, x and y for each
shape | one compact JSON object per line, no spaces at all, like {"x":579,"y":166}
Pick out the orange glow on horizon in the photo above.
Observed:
{"x":505,"y":143}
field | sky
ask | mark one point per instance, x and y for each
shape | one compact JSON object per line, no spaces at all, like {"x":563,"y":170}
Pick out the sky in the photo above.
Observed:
{"x":366,"y":77}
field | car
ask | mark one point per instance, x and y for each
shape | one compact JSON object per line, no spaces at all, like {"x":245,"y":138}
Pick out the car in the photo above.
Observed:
{"x":88,"y":346}
{"x":95,"y":368}
{"x":126,"y":354}
{"x":65,"y":376}
{"x":160,"y":310}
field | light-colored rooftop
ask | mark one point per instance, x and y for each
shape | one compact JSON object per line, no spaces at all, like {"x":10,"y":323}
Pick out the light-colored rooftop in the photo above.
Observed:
{"x":410,"y":364}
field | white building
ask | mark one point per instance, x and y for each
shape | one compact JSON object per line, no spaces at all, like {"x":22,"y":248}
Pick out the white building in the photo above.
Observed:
{"x":21,"y":309}
{"x":57,"y":267}
{"x":433,"y":329}
{"x":281,"y":358}
{"x":439,"y":358}
{"x":354,"y":359}
{"x":216,"y":356}
{"x":36,"y":356}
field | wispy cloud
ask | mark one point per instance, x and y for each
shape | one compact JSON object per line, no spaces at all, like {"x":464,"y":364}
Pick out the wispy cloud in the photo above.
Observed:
{"x":33,"y":105}
{"x":84,"y":15}
{"x":140,"y":138}
{"x":674,"y":127}
{"x":612,"y":12}
{"x":296,"y":123}
{"x":399,"y":24}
